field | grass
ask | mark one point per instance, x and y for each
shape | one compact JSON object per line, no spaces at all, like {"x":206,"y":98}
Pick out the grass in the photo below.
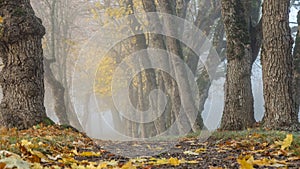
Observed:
{"x":260,"y":136}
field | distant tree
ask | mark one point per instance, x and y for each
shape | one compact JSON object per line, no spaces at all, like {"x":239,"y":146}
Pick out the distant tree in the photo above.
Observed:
{"x":243,"y":44}
{"x":58,"y":18}
{"x":22,"y":77}
{"x":173,"y":45}
{"x":277,"y":64}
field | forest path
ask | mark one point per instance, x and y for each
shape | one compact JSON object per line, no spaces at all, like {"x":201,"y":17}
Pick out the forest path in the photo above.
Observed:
{"x":59,"y":147}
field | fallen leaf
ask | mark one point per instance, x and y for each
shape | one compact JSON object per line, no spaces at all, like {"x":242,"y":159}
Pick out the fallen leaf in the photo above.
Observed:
{"x":2,"y":165}
{"x":89,"y":154}
{"x":211,"y":167}
{"x":200,"y":150}
{"x":190,"y":153}
{"x":112,"y":163}
{"x":128,"y":165}
{"x":174,"y":161}
{"x":246,"y":162}
{"x":286,"y":143}
{"x":102,"y":165}
{"x":12,"y":162}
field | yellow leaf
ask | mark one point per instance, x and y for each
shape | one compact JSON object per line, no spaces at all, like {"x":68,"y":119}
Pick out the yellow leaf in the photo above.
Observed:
{"x":40,"y":155}
{"x":67,"y":160}
{"x":174,"y":161}
{"x":200,"y":150}
{"x":128,"y":166}
{"x":262,"y":162}
{"x":89,"y":154}
{"x":161,"y":161}
{"x":112,"y":163}
{"x":102,"y":165}
{"x":287,"y":142}
{"x":246,"y":162}
{"x":25,"y":143}
{"x":75,"y":152}
{"x":1,"y":19}
{"x":192,"y":162}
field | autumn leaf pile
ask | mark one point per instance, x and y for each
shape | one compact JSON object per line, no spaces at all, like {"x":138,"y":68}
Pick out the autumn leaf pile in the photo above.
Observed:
{"x":59,"y":147}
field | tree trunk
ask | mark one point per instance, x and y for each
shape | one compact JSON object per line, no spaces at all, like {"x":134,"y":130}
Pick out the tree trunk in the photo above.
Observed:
{"x":296,"y":80}
{"x":156,"y":41}
{"x":144,"y":88}
{"x":58,"y":94}
{"x":238,"y":110}
{"x":57,"y":88}
{"x":208,"y":12}
{"x":204,"y":81}
{"x":184,"y":89}
{"x":22,"y":77}
{"x":277,"y":63}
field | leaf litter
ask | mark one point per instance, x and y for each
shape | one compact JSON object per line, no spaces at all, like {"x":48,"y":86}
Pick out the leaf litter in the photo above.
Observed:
{"x":52,"y":147}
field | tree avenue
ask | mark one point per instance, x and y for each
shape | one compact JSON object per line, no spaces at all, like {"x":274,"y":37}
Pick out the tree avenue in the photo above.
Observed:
{"x":22,"y":74}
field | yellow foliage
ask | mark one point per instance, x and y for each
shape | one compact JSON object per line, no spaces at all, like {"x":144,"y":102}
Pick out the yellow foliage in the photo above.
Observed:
{"x":116,"y":12}
{"x":95,"y":13}
{"x":105,"y":72}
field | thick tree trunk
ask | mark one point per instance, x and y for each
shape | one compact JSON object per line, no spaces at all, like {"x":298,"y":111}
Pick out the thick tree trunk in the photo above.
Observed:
{"x":296,"y":80}
{"x":238,"y":110}
{"x":277,"y":63}
{"x":22,"y":77}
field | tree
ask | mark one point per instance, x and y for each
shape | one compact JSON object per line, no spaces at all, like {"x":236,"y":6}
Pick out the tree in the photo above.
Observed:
{"x":22,"y":77}
{"x":296,"y":71}
{"x":184,"y":89}
{"x":277,"y":64}
{"x":238,"y":109}
{"x":58,"y":17}
{"x":156,"y":41}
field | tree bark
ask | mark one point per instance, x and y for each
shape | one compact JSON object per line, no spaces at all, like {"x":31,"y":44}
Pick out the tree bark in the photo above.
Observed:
{"x":277,"y":63}
{"x":238,"y":109}
{"x":296,"y":71}
{"x":22,"y":77}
